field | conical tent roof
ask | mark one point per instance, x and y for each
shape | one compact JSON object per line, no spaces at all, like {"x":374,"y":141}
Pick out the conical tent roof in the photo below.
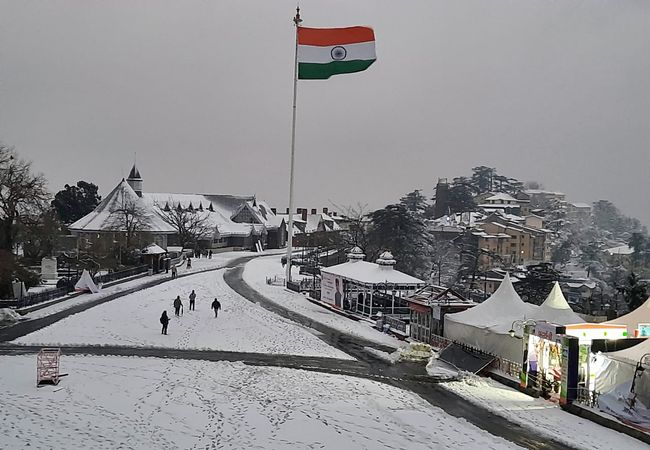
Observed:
{"x":632,"y":354}
{"x":503,"y":306}
{"x":634,"y":318}
{"x":86,"y":283}
{"x":556,"y":309}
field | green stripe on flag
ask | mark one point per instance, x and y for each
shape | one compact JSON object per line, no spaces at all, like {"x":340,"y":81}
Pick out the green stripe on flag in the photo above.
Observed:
{"x":311,"y":71}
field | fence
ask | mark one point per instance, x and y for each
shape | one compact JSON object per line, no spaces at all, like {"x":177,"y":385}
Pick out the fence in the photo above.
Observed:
{"x":510,"y":368}
{"x":40,"y":297}
{"x":395,"y":323}
{"x":439,"y":342}
{"x":112,"y":276}
{"x":275,"y":281}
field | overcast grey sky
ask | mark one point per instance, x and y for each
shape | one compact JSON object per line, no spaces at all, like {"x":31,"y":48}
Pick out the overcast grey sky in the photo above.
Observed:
{"x":554,"y":91}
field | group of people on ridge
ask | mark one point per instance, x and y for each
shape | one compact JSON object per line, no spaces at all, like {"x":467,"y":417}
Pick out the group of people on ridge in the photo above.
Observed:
{"x":178,"y":309}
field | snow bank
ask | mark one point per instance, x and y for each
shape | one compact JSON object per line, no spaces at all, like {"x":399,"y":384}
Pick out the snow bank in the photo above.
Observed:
{"x":133,"y":320}
{"x":541,"y":415}
{"x":8,"y":316}
{"x":255,"y":273}
{"x":112,"y":402}
{"x":441,"y":370}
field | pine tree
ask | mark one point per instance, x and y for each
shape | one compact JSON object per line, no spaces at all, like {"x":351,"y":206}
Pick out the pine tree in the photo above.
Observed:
{"x":396,"y":229}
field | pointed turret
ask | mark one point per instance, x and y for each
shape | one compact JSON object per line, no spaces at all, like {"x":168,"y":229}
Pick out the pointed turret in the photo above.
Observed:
{"x":135,"y":180}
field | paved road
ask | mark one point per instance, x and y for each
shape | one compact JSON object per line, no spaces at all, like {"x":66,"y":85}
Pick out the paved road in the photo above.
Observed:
{"x":29,"y":326}
{"x":402,"y":375}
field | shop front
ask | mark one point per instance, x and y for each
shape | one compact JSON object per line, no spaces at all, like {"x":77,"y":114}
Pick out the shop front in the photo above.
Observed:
{"x":551,"y":360}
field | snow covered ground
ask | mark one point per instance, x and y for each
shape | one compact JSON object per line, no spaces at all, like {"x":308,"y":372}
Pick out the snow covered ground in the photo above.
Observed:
{"x":133,"y":320}
{"x":218,"y":259}
{"x":255,"y":273}
{"x":541,"y":415}
{"x":113,"y":402}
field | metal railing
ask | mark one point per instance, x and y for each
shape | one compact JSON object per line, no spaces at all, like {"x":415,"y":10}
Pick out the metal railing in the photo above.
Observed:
{"x":587,"y":397}
{"x":40,"y":297}
{"x":276,"y":281}
{"x":395,"y":323}
{"x":112,"y":276}
{"x":510,"y":368}
{"x":439,"y":342}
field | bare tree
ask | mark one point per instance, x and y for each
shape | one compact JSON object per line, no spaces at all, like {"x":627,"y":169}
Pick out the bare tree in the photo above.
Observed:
{"x":445,"y":261}
{"x":355,"y":233}
{"x":191,"y":225}
{"x":22,"y":193}
{"x":130,"y":218}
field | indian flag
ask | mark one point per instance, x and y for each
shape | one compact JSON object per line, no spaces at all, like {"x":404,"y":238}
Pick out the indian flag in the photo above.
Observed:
{"x":323,"y":52}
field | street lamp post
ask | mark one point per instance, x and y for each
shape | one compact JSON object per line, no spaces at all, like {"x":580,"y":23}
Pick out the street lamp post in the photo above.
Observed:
{"x":522,"y":324}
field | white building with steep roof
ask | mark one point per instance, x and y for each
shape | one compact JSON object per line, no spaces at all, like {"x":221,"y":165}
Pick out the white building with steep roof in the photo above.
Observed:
{"x":236,"y":221}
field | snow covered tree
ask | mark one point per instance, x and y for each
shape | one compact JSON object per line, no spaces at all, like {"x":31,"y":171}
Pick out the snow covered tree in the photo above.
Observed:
{"x":73,"y":202}
{"x":562,"y":254}
{"x":634,"y":291}
{"x":483,"y":178}
{"x":396,"y":229}
{"x":414,"y":202}
{"x":460,"y":197}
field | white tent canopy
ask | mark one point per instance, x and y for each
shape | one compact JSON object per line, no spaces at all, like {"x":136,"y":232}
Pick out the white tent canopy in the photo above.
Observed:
{"x":486,"y":325}
{"x":86,"y":283}
{"x":634,"y":318}
{"x":612,"y":369}
{"x":555,"y":309}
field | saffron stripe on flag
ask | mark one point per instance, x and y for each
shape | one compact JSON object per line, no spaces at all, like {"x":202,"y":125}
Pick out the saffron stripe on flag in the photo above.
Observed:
{"x":334,"y":36}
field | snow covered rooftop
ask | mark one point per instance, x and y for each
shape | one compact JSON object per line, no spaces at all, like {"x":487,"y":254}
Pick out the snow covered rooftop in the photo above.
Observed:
{"x":620,"y":250}
{"x":229,"y":215}
{"x":315,"y":222}
{"x":109,"y":214}
{"x":501,"y":197}
{"x":371,"y":273}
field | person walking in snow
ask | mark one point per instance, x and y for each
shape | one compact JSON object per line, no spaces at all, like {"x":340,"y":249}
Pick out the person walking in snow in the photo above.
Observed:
{"x":216,"y":306}
{"x":164,"y":320}
{"x":174,"y":271}
{"x":178,"y":304}
{"x":189,"y":263}
{"x":210,"y":254}
{"x":192,"y":300}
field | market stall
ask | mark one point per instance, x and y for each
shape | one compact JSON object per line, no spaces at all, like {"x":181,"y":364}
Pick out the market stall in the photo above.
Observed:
{"x":368,"y":288}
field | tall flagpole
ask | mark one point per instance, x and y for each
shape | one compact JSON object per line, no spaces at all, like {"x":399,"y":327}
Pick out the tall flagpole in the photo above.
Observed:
{"x":296,"y":21}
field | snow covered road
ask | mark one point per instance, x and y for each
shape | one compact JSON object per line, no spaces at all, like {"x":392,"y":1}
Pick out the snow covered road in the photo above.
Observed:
{"x":133,"y":320}
{"x":112,"y":402}
{"x":255,"y":273}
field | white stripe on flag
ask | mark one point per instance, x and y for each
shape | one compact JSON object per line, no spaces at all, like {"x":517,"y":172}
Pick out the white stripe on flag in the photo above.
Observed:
{"x":322,"y":55}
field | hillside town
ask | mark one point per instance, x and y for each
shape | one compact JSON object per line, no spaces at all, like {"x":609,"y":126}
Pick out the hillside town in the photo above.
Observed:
{"x":416,"y":277}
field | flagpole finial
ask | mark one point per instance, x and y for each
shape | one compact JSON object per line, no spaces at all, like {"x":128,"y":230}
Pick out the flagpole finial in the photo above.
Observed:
{"x":297,"y":19}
